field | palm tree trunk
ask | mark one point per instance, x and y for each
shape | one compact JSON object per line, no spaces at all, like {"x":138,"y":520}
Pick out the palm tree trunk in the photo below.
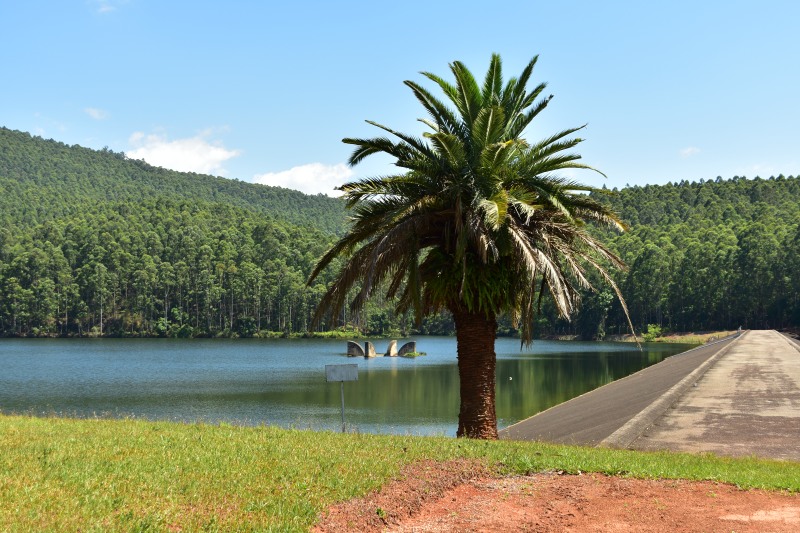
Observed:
{"x":475,"y":334}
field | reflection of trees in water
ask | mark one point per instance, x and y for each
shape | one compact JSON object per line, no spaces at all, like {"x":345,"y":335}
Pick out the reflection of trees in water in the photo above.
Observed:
{"x":262,"y":382}
{"x":407,"y":395}
{"x":537,"y":384}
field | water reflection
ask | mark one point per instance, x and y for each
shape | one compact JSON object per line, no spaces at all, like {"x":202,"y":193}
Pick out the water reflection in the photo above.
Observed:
{"x":282,"y":381}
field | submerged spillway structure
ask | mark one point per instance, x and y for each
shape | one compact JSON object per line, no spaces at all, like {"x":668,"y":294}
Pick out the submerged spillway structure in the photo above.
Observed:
{"x":355,"y":350}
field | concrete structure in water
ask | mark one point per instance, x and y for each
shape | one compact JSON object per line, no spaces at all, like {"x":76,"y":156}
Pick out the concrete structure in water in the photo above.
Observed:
{"x":391,"y":351}
{"x":355,"y":350}
{"x":369,"y":349}
{"x":407,"y":348}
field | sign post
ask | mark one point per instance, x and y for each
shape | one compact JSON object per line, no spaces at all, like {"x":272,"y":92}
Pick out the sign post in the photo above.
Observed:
{"x":341,"y":373}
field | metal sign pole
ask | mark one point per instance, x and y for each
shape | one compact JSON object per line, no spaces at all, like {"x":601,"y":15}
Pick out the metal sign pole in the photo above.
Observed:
{"x":342,"y":383}
{"x":341,"y":373}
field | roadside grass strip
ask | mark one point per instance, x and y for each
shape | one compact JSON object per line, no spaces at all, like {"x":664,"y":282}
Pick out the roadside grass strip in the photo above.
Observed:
{"x":133,"y":475}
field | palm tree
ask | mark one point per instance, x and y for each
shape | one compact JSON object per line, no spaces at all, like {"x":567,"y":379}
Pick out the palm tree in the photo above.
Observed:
{"x":478,"y":222}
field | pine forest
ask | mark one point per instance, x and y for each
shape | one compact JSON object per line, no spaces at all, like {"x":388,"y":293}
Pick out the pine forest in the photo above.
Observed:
{"x":95,"y":244}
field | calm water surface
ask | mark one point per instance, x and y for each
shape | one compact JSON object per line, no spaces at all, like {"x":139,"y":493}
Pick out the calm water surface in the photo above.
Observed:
{"x":282,"y":381}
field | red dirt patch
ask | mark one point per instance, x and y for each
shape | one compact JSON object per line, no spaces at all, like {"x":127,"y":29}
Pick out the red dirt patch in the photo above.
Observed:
{"x":464,"y":496}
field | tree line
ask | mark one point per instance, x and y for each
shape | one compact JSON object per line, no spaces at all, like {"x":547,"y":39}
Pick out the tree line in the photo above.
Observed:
{"x":158,"y":269}
{"x":714,"y":254}
{"x":93,"y":243}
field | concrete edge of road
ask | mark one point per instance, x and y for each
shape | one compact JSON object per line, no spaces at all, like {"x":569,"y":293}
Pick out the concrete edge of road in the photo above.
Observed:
{"x":504,"y":432}
{"x":794,"y":343}
{"x":633,"y":429}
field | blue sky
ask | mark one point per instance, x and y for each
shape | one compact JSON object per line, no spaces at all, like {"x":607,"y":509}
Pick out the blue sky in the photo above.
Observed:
{"x":265,"y":91}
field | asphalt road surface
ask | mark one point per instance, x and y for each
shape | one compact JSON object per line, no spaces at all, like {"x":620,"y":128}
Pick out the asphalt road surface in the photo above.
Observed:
{"x":593,"y":417}
{"x":747,"y":403}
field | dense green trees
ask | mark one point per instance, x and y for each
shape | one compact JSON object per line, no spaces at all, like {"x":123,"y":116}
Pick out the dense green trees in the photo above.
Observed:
{"x":48,"y":180}
{"x":711,"y":254}
{"x":94,"y":244}
{"x":163,"y":269}
{"x":91,"y":240}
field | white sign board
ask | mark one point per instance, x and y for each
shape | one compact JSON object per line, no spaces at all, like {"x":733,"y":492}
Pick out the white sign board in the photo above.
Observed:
{"x":341,"y":372}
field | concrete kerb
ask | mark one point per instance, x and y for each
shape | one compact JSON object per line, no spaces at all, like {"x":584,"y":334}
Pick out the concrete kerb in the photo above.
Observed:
{"x":633,"y":429}
{"x":794,"y":343}
{"x":503,"y":433}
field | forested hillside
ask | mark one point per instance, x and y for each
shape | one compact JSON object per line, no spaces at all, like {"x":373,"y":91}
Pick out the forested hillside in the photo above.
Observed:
{"x":46,"y":180}
{"x":710,"y":254}
{"x":92,"y":243}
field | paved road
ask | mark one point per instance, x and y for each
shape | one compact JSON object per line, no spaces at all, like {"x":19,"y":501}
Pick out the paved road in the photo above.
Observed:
{"x":748,"y":403}
{"x":595,"y":416}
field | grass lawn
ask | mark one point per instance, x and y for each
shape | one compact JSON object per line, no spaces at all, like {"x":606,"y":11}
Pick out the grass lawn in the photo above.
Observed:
{"x":695,"y":338}
{"x":132,"y":475}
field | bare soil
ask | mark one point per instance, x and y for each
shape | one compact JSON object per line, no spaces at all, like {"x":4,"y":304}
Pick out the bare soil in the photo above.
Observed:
{"x":465,"y":496}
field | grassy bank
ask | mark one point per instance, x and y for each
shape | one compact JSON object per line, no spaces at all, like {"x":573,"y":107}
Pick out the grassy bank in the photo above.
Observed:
{"x":698,"y":338}
{"x":102,"y":475}
{"x":695,"y":338}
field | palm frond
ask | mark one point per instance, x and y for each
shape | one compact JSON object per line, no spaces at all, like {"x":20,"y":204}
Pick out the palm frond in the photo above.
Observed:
{"x":541,"y":146}
{"x":367,"y":147}
{"x":518,"y":89}
{"x":608,"y":279}
{"x":521,"y":120}
{"x":495,"y":209}
{"x":449,"y":146}
{"x":493,"y":84}
{"x":414,"y":142}
{"x":441,"y":114}
{"x":488,"y":127}
{"x":469,"y":101}
{"x":450,"y":90}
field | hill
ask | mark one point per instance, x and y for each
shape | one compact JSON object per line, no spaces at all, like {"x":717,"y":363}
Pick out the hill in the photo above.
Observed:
{"x":44,"y":180}
{"x":710,"y":254}
{"x":92,"y":243}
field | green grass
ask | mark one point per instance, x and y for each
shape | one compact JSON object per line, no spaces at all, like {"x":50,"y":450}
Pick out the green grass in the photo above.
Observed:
{"x":695,"y":338}
{"x":679,"y":338}
{"x":131,"y":475}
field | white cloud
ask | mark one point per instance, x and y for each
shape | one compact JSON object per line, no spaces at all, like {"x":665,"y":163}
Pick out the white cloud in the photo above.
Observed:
{"x":45,"y":125}
{"x":193,"y":154}
{"x":312,"y":178}
{"x":107,"y":6}
{"x":761,"y":170}
{"x":95,"y":113}
{"x":689,"y":151}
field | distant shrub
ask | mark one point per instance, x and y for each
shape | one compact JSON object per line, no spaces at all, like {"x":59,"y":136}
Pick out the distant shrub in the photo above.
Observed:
{"x":652,"y":332}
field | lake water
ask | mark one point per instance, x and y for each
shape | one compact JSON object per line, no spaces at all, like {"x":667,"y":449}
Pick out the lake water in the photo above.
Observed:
{"x":282,"y":381}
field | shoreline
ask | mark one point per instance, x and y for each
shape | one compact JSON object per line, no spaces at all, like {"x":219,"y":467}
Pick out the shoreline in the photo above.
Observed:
{"x":700,"y":337}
